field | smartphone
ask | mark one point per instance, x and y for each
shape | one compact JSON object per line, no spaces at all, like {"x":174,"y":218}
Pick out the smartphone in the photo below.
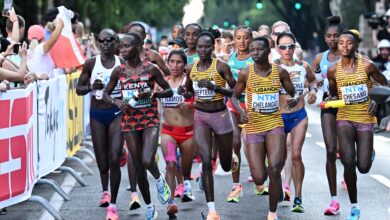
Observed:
{"x":16,"y":48}
{"x":7,"y":6}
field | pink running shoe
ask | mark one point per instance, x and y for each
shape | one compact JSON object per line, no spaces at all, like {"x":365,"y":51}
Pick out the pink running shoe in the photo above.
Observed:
{"x":105,"y":200}
{"x":333,"y":209}
{"x":111,"y":213}
{"x":344,"y":185}
{"x":179,"y":191}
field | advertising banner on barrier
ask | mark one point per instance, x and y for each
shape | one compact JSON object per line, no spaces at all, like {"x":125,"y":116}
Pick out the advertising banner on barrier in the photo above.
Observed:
{"x":75,"y":120}
{"x":52,"y":115}
{"x":18,"y":145}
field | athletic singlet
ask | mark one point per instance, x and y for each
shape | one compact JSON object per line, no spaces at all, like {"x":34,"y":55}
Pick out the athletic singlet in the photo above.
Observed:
{"x":236,"y":65}
{"x":144,"y":113}
{"x":297,"y":75}
{"x":262,"y":101}
{"x":191,"y":58}
{"x":324,"y":65}
{"x":353,"y":88}
{"x":104,"y":74}
{"x":176,"y":99}
{"x":204,"y":94}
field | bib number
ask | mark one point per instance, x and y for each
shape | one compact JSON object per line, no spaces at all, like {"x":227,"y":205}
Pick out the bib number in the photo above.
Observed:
{"x":265,"y":103}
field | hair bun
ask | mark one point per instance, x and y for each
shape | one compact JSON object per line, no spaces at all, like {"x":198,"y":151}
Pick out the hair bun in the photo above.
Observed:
{"x":333,"y":20}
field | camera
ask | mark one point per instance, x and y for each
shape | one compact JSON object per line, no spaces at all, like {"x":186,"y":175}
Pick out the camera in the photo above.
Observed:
{"x":375,"y":20}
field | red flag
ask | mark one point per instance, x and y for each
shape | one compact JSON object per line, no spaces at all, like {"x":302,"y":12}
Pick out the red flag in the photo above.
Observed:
{"x":66,"y":52}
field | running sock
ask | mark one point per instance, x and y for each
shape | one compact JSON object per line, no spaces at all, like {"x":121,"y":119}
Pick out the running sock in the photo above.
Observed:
{"x":272,"y":214}
{"x":134,"y":194}
{"x":211,"y":206}
{"x":236,"y":184}
{"x":112,"y":205}
{"x":356,"y":205}
{"x":333,"y":198}
{"x":150,"y":206}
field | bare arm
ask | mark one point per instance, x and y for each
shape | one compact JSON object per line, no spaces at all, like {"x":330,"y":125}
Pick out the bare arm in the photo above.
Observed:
{"x":54,"y":36}
{"x":373,"y":71}
{"x":332,"y":81}
{"x":313,"y":86}
{"x":166,"y":89}
{"x":84,"y":85}
{"x":239,"y":88}
{"x":15,"y":36}
{"x":187,"y":90}
{"x":156,"y":58}
{"x":317,"y":69}
{"x":224,"y":70}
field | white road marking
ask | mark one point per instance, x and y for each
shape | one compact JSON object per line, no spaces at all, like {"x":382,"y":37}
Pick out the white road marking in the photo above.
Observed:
{"x":321,"y":144}
{"x":381,"y":179}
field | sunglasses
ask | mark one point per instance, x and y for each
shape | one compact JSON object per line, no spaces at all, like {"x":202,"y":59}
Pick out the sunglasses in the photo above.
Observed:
{"x":287,"y":47}
{"x":108,"y":40}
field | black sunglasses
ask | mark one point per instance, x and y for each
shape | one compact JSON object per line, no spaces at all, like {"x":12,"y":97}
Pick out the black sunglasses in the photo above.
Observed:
{"x":107,"y":39}
{"x":287,"y":46}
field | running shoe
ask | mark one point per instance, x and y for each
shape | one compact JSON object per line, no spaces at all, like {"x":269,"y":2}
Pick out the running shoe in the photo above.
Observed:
{"x":151,"y":213}
{"x":187,"y":196}
{"x":163,"y":191}
{"x":235,"y":162}
{"x":287,"y":194}
{"x":272,"y":217}
{"x":179,"y":191}
{"x":105,"y":199}
{"x":213,"y":215}
{"x":355,"y":214}
{"x":134,"y":202}
{"x":261,"y":190}
{"x":123,"y":158}
{"x":235,"y":194}
{"x":111,"y":213}
{"x":344,"y":184}
{"x":172,"y":209}
{"x":333,"y":209}
{"x":297,"y":206}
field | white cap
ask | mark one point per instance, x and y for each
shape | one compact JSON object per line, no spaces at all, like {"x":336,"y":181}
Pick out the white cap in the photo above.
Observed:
{"x":383,"y":44}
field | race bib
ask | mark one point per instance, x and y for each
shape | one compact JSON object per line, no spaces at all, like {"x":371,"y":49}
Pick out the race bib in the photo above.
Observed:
{"x":265,"y":103}
{"x":203,"y":93}
{"x":173,"y":101}
{"x":129,"y":95}
{"x":355,"y":94}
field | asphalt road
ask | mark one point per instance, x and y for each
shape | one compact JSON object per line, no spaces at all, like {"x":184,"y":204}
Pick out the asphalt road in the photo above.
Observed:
{"x":373,"y":190}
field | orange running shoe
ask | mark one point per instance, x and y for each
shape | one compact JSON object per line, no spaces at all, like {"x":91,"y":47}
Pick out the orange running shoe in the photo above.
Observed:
{"x":213,"y":215}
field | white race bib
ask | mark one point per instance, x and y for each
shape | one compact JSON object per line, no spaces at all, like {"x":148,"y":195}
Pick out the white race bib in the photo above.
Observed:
{"x":203,"y":93}
{"x":265,"y":103}
{"x":173,"y":101}
{"x":355,"y":94}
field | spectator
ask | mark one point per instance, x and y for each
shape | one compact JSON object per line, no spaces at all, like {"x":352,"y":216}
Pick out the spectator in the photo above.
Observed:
{"x":39,"y":61}
{"x":177,"y":31}
{"x":15,"y":26}
{"x":384,"y":33}
{"x":178,"y":43}
{"x":227,"y":43}
{"x":264,"y":30}
{"x":383,"y":54}
{"x":14,"y":76}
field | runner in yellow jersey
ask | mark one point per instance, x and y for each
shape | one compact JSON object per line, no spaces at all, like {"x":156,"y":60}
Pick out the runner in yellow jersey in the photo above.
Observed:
{"x":265,"y":135}
{"x":349,"y":79}
{"x":206,"y":79}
